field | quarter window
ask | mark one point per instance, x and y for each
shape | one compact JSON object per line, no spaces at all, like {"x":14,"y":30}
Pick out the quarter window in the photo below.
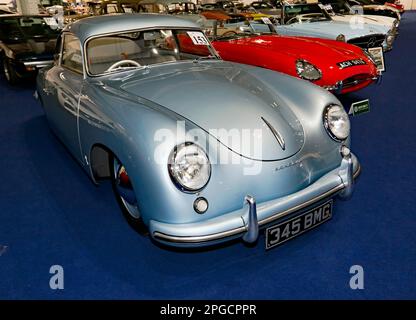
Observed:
{"x":71,"y":54}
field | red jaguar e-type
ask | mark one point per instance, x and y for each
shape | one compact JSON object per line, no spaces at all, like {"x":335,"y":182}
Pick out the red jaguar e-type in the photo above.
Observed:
{"x":334,"y":65}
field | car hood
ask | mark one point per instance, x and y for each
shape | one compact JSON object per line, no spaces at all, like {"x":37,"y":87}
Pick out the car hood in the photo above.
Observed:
{"x":300,"y":47}
{"x":367,"y":20}
{"x":220,"y":95}
{"x":332,"y":29}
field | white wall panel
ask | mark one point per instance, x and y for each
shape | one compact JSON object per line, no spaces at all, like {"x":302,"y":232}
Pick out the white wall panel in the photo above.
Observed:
{"x":409,"y":4}
{"x":28,"y":6}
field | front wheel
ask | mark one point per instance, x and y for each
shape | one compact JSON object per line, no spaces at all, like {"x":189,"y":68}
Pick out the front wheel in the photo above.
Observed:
{"x":125,"y":195}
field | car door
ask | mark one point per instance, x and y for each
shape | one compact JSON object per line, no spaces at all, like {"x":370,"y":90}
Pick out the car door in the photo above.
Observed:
{"x":64,"y":86}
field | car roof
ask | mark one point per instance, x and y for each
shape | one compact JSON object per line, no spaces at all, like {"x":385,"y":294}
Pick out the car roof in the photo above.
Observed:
{"x":116,"y":23}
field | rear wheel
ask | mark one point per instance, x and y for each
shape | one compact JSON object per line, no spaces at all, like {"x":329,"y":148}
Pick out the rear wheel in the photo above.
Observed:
{"x":9,"y":72}
{"x":125,"y":195}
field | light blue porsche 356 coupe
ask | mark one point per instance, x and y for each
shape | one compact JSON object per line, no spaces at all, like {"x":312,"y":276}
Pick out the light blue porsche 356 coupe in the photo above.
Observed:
{"x":199,"y":150}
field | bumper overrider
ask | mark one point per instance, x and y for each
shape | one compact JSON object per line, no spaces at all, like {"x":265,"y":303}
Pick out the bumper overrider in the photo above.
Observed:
{"x":246,"y":222}
{"x":341,"y":86}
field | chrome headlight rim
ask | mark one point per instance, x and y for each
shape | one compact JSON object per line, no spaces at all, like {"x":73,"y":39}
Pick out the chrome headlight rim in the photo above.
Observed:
{"x":327,"y":124}
{"x":305,"y":62}
{"x":174,"y":176}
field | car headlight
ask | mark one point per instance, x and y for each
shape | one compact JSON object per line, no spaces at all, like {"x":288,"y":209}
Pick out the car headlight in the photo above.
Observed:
{"x":307,"y":70}
{"x":340,"y":37}
{"x":336,"y":122}
{"x":189,"y":167}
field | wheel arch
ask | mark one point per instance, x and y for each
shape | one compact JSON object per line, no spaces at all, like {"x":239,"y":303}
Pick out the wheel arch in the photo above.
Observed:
{"x":100,"y":156}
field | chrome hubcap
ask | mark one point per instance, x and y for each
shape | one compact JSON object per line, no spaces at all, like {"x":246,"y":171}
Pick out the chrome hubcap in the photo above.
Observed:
{"x":125,"y":189}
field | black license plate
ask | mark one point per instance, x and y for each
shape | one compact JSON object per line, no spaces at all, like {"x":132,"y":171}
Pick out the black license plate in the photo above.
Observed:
{"x":351,"y":63}
{"x":289,"y":229}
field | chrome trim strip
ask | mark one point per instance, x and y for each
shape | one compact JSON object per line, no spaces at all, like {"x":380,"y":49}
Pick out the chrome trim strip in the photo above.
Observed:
{"x":276,"y":134}
{"x":243,"y":229}
{"x":197,"y":239}
{"x":38,"y":63}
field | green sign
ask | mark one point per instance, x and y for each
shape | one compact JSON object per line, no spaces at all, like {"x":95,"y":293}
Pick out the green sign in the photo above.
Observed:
{"x":360,"y":107}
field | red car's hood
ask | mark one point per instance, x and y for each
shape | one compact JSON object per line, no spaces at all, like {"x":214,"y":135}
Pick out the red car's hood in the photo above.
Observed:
{"x":300,"y":47}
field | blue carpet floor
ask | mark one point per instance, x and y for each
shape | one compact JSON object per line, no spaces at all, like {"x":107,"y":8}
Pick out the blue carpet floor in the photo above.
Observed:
{"x":50,"y":213}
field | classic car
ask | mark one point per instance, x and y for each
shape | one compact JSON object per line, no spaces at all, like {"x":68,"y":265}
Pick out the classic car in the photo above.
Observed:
{"x":266,"y":8}
{"x":340,"y":9}
{"x":162,"y":122}
{"x":395,"y":4}
{"x":27,"y":43}
{"x":333,"y":65}
{"x":223,"y":5}
{"x":252,"y":14}
{"x":369,"y":7}
{"x":185,"y":8}
{"x":226,"y":19}
{"x":169,"y":6}
{"x":311,"y":20}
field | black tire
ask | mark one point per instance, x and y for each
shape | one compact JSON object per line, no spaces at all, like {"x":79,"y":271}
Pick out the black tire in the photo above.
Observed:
{"x":128,"y":206}
{"x":9,"y":72}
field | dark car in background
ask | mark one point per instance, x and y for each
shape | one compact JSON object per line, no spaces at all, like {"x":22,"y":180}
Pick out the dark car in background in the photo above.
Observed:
{"x":27,"y":43}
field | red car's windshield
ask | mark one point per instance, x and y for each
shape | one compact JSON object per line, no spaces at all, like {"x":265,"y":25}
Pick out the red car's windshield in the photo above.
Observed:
{"x":146,"y":48}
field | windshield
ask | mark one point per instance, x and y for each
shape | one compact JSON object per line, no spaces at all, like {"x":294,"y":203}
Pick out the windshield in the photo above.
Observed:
{"x":145,"y":48}
{"x":250,"y":29}
{"x":24,"y":28}
{"x":305,"y":13}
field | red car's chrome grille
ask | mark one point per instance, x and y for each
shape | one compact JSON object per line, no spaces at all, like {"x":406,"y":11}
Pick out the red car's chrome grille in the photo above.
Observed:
{"x":356,"y":80}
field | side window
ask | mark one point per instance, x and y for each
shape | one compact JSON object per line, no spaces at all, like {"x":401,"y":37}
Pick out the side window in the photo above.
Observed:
{"x":71,"y":54}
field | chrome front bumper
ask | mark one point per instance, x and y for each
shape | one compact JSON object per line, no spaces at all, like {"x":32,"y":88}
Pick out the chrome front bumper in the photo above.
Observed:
{"x":339,"y":86}
{"x":246,"y":222}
